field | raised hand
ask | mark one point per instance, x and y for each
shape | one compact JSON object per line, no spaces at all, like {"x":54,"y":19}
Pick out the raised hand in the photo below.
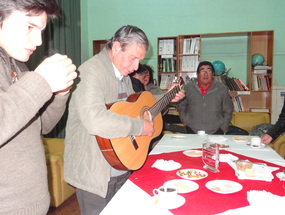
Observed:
{"x":59,"y":72}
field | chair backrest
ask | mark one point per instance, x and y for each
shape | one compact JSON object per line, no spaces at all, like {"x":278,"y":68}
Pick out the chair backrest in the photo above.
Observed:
{"x":246,"y":120}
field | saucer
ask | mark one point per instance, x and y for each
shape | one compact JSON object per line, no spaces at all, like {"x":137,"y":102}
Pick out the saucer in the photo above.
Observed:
{"x":258,"y":147}
{"x":179,"y":137}
{"x":174,"y":202}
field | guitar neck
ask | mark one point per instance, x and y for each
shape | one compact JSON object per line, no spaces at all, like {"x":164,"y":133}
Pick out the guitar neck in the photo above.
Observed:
{"x":164,"y":101}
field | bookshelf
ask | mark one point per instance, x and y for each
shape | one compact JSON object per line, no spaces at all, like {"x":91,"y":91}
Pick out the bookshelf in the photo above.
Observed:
{"x":166,"y":60}
{"x":229,"y":47}
{"x":98,"y":45}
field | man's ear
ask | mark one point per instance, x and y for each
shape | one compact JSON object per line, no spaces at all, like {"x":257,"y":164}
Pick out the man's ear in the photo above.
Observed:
{"x":117,"y":46}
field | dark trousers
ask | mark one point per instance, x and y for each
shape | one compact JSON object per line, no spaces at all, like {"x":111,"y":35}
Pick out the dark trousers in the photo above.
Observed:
{"x":92,"y":204}
{"x":190,"y":131}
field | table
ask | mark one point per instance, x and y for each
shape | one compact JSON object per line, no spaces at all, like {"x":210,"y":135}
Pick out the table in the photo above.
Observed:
{"x":135,"y":195}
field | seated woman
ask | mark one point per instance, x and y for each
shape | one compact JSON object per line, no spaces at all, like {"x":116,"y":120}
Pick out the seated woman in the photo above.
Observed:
{"x":142,"y":80}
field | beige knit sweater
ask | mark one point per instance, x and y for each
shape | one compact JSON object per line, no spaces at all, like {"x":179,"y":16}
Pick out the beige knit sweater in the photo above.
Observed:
{"x":27,"y":110}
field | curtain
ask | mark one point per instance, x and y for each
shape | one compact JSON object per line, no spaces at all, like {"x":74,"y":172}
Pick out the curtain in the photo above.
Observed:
{"x":61,"y":36}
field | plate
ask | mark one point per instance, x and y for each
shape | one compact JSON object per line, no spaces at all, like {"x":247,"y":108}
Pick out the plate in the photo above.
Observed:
{"x":241,"y":139}
{"x":224,"y":186}
{"x":192,"y":174}
{"x":281,"y":176}
{"x":182,"y":185}
{"x":218,"y":139}
{"x":175,"y":202}
{"x":193,"y":153}
{"x":179,"y":137}
{"x":258,"y":147}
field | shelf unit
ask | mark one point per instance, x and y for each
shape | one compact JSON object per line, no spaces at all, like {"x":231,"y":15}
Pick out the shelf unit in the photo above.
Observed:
{"x":241,"y":47}
{"x":166,"y":60}
{"x":98,"y":45}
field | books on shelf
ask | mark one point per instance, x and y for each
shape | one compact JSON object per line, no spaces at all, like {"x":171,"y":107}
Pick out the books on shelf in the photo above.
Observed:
{"x":187,"y":76}
{"x":238,"y":104}
{"x":234,"y":84}
{"x":166,"y":47}
{"x":166,"y":81}
{"x":263,"y":67}
{"x":261,"y":83}
{"x":167,"y":64}
{"x":189,"y":63}
{"x":259,"y":110}
{"x":191,"y":45}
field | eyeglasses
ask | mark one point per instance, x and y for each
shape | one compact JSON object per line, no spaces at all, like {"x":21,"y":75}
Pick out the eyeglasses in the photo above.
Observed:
{"x":204,"y":71}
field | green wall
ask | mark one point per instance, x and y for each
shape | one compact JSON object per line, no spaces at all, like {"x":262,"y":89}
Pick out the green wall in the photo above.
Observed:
{"x":159,"y":18}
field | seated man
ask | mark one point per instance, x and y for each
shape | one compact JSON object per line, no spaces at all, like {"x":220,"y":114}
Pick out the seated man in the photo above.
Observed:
{"x":276,"y":130}
{"x":207,"y":104}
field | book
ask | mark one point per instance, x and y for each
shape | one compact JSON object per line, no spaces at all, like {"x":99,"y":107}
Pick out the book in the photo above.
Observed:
{"x":262,"y":67}
{"x":260,"y":71}
{"x":259,"y":109}
{"x":254,"y":83}
{"x":245,"y":88}
{"x":186,"y":45}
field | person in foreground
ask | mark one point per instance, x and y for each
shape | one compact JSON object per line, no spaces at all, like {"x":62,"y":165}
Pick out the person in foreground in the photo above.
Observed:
{"x":207,"y":105}
{"x":31,"y":105}
{"x":104,"y":79}
{"x":276,"y":130}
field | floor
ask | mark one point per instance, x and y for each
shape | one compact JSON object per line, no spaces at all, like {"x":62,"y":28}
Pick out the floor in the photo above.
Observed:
{"x":69,"y":207}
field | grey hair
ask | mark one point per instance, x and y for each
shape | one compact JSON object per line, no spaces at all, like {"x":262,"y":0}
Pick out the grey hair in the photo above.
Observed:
{"x":127,"y":35}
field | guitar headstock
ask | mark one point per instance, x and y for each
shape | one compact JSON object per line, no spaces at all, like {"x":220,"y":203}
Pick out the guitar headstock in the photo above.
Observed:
{"x":181,"y":82}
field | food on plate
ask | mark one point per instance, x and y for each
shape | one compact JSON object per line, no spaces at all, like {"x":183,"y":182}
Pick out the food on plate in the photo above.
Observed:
{"x":249,"y":172}
{"x":242,"y":165}
{"x":237,"y":138}
{"x":180,"y":186}
{"x":194,"y":153}
{"x":220,"y":145}
{"x":225,"y":188}
{"x":192,"y":174}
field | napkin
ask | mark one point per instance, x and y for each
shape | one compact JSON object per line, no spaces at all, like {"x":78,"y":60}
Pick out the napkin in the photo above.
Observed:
{"x":166,"y":165}
{"x":227,"y":157}
{"x":261,"y":202}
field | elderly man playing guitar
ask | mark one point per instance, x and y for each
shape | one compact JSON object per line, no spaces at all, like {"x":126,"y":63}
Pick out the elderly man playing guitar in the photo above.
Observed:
{"x":99,"y":136}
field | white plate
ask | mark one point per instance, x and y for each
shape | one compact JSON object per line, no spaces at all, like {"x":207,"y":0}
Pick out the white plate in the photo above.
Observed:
{"x":227,"y":157}
{"x":217,"y":138}
{"x":281,"y":176}
{"x":258,"y":147}
{"x":175,"y":202}
{"x":193,"y":153}
{"x":224,"y":186}
{"x":192,"y":174}
{"x":182,"y":185}
{"x":179,"y":137}
{"x":241,"y":139}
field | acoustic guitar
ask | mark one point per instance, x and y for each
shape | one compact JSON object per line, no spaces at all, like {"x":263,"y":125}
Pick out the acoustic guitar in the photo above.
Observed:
{"x":129,"y":153}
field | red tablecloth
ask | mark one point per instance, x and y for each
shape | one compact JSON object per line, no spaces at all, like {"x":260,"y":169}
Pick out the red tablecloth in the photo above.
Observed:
{"x":204,"y":201}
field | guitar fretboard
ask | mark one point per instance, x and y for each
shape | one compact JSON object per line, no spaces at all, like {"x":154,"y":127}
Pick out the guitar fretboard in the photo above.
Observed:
{"x":164,"y":101}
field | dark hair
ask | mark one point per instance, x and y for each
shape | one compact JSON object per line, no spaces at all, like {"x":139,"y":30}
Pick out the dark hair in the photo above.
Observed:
{"x":150,"y":70}
{"x":127,"y":35}
{"x":140,"y":71}
{"x":31,"y":7}
{"x":204,"y":63}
